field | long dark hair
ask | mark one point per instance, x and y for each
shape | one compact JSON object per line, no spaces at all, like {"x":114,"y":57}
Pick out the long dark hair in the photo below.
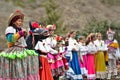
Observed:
{"x":71,"y":32}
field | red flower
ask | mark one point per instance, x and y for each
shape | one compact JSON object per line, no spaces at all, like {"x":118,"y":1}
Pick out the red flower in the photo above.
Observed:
{"x":35,"y":25}
{"x":17,"y":11}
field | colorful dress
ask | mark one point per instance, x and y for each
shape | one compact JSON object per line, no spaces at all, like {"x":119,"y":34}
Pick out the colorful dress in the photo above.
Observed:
{"x":55,"y":58}
{"x":74,"y":64}
{"x":91,"y":60}
{"x":113,"y":54}
{"x":45,"y":71}
{"x":83,"y":65}
{"x":100,"y":66}
{"x":63,"y":50}
{"x":51,"y":42}
{"x":18,"y":63}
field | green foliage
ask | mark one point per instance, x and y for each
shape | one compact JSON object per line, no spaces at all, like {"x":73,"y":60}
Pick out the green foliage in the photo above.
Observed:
{"x":116,"y":28}
{"x":53,"y":15}
{"x":22,"y":3}
{"x":111,"y":2}
{"x":96,"y":26}
{"x":17,"y":2}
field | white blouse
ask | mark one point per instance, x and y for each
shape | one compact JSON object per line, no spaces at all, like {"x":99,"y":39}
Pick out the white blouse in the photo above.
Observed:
{"x":83,"y":49}
{"x":51,"y":42}
{"x":44,"y":47}
{"x":101,"y":46}
{"x":92,"y":49}
{"x":73,"y":44}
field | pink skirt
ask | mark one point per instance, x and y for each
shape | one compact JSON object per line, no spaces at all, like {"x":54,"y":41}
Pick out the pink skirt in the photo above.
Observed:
{"x":58,"y":61}
{"x":83,"y":65}
{"x":55,"y":61}
{"x":51,"y":60}
{"x":91,"y":66}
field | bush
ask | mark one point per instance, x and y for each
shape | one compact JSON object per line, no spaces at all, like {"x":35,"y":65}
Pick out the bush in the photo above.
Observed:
{"x":111,"y":2}
{"x":95,"y":26}
{"x":53,"y":16}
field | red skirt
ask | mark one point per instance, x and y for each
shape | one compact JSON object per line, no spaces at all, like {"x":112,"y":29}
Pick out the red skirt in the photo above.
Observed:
{"x":65,"y":62}
{"x":45,"y":71}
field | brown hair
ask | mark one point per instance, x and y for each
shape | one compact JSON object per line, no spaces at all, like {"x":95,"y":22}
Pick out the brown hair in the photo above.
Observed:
{"x":15,"y":19}
{"x":90,"y":37}
{"x":71,"y":32}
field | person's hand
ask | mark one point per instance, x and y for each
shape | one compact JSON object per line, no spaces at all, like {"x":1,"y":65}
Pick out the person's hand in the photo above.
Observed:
{"x":23,"y":33}
{"x":73,"y":49}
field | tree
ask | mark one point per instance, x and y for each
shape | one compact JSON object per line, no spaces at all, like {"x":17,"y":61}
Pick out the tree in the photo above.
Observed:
{"x":53,"y":15}
{"x":95,"y":26}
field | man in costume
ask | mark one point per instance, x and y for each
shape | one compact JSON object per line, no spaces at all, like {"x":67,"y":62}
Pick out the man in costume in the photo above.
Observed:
{"x":113,"y":53}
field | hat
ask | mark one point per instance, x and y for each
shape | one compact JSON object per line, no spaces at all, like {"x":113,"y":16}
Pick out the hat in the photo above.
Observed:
{"x":51,"y":27}
{"x":13,"y":15}
{"x":39,"y":31}
{"x":33,"y":25}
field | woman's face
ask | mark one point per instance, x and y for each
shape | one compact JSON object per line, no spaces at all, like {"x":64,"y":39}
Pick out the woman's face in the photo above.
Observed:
{"x":51,"y":32}
{"x":73,"y":34}
{"x":99,"y":36}
{"x":18,"y":23}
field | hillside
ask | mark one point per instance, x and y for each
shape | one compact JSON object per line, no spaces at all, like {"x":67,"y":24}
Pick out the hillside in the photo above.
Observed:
{"x":75,"y":13}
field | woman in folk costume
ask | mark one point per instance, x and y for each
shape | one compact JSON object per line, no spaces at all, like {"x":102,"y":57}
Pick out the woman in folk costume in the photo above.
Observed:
{"x":91,"y":56}
{"x":70,"y":74}
{"x":100,"y":66}
{"x":18,"y":63}
{"x":113,"y":53}
{"x":74,"y":64}
{"x":83,"y":52}
{"x":43,"y":49}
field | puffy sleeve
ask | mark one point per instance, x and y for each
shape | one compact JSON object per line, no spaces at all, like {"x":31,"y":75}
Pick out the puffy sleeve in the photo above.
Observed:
{"x":11,"y":35}
{"x":51,"y":42}
{"x":41,"y":47}
{"x":48,"y":45}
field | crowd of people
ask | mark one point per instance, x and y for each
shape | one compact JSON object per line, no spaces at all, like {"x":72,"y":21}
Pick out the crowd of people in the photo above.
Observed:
{"x":44,"y":55}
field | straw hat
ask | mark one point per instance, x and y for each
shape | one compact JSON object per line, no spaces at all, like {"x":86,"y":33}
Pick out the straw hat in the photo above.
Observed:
{"x":14,"y":14}
{"x":51,"y":27}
